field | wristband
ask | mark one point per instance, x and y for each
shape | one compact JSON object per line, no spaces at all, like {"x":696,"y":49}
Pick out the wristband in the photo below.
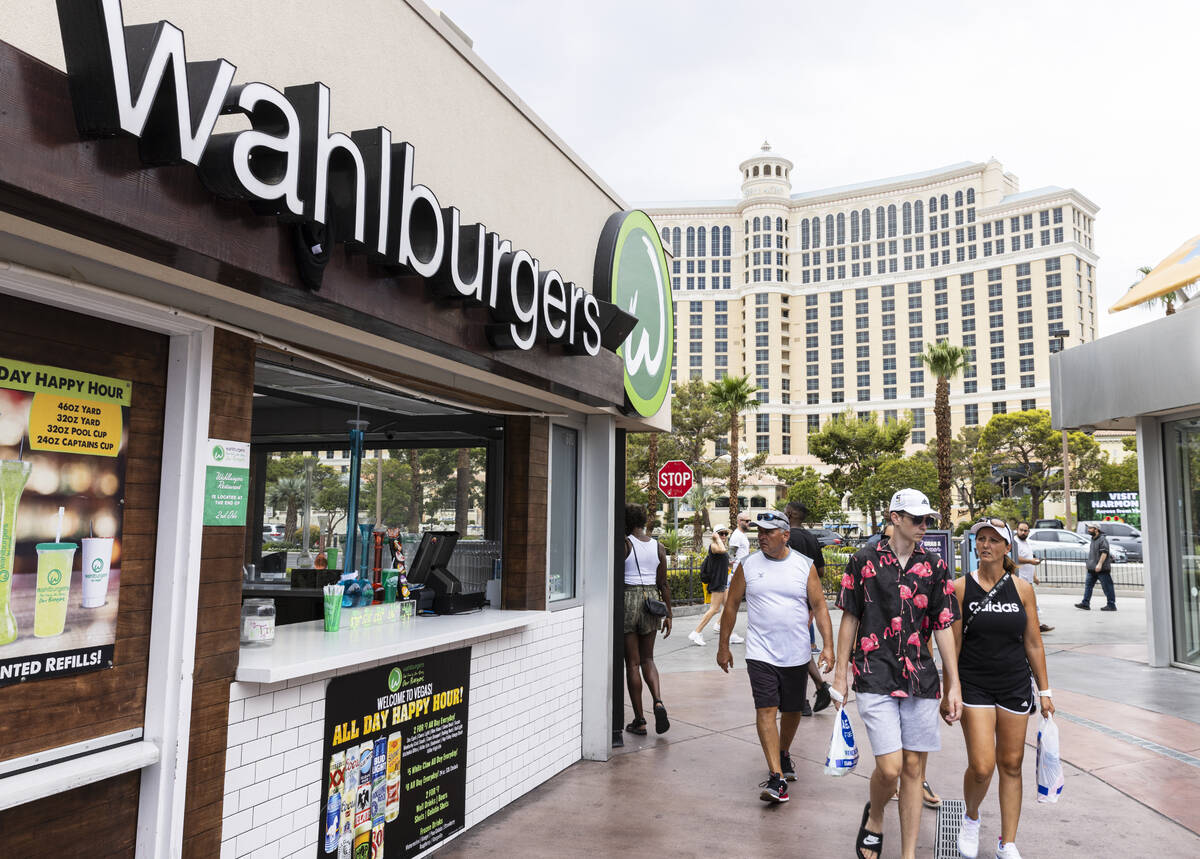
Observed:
{"x":1045,"y":693}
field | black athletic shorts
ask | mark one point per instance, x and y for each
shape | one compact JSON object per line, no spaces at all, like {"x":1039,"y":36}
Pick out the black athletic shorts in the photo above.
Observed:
{"x":1019,"y":699}
{"x":774,"y":686}
{"x":716,"y":587}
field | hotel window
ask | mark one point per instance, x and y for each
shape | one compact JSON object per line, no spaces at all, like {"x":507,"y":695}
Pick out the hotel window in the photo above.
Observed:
{"x":1028,"y":405}
{"x":971,"y":414}
{"x":1026,"y":365}
{"x":999,"y":408}
{"x":1025,"y":333}
{"x":970,"y":386}
{"x":1027,"y":382}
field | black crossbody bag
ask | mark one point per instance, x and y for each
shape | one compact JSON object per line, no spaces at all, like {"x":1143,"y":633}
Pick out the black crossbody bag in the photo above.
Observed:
{"x":658,"y":608}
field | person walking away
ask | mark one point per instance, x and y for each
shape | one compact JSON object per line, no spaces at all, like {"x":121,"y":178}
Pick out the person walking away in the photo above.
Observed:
{"x":718,"y":554}
{"x":1026,"y":561}
{"x":1000,"y":657}
{"x":802,"y":541}
{"x":645,"y":578}
{"x":1099,"y":567}
{"x":893,"y":597}
{"x":739,"y":550}
{"x":782,"y":589}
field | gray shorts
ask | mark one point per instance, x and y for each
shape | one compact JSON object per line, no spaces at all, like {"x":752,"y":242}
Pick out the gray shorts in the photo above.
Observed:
{"x":900,"y":723}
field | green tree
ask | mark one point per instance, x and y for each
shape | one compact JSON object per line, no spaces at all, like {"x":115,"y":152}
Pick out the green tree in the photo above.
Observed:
{"x":733,"y":395}
{"x":396,"y":494}
{"x":287,"y":492}
{"x":1122,"y":475}
{"x":1167,"y":299}
{"x":638,"y":473}
{"x":1031,"y":450}
{"x":945,"y":361}
{"x":970,"y":472}
{"x":855,"y":447}
{"x":875,"y":491}
{"x":806,"y":486}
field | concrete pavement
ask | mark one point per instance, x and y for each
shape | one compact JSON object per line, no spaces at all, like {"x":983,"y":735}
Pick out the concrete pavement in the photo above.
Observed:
{"x":1130,"y":736}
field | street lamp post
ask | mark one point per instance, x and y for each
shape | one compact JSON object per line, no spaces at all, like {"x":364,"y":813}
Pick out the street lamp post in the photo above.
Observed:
{"x":1056,"y":345}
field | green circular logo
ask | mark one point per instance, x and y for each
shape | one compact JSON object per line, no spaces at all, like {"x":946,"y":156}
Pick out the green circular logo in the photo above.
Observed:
{"x":97,"y":565}
{"x":3,"y":576}
{"x":218,"y":452}
{"x":54,"y":577}
{"x":394,"y":679}
{"x":641,"y":286}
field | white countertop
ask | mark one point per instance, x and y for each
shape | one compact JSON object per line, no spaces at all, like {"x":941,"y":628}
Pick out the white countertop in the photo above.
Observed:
{"x":303,"y":649}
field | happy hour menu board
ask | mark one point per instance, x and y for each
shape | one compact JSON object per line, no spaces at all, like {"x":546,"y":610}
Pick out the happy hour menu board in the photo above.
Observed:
{"x":395,"y":757}
{"x":62,"y":487}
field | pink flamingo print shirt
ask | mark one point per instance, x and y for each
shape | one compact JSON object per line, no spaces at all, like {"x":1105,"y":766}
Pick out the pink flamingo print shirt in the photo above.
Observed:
{"x":897,"y":610}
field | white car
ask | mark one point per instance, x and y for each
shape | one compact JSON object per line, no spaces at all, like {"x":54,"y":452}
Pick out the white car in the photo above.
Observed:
{"x":1059,"y":544}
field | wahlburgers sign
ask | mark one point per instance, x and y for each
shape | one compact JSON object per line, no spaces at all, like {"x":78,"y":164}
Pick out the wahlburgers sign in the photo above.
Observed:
{"x":358,"y":189}
{"x":631,"y":272}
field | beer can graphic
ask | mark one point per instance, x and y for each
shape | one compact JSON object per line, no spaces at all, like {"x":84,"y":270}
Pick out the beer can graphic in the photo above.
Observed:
{"x":378,"y":798}
{"x":379,"y":764}
{"x":333,"y":822}
{"x":392,"y":799}
{"x":362,"y":844}
{"x":349,"y":803}
{"x":366,"y":757}
{"x":377,"y":839}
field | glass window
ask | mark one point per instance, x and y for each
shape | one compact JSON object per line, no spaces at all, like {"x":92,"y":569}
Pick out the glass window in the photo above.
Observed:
{"x":564,"y":511}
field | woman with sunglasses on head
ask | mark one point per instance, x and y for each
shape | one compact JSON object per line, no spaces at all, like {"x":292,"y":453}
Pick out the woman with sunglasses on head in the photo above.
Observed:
{"x":1000,"y":650}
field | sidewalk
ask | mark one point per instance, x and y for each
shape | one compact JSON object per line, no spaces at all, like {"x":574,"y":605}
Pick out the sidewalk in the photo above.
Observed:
{"x":1130,"y":734}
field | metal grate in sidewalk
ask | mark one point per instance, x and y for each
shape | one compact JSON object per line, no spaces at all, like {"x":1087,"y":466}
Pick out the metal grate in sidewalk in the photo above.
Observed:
{"x":945,"y":841}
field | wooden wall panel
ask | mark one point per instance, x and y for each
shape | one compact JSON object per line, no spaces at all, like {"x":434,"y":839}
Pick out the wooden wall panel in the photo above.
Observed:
{"x":47,"y":713}
{"x":526,"y":495}
{"x":219,"y":618}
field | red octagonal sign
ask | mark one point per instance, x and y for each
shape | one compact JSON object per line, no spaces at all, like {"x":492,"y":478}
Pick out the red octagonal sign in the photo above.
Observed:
{"x":675,"y":479}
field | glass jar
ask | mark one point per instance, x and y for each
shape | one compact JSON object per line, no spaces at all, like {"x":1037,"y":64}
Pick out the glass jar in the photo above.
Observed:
{"x":258,"y":622}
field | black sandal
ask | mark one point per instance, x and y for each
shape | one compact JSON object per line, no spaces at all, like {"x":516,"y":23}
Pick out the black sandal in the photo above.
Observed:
{"x":637,"y":726}
{"x":661,"y":723}
{"x":868,"y":840}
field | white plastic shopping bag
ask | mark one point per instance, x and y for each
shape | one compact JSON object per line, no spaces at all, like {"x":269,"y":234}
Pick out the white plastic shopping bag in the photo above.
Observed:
{"x":843,"y":751}
{"x":1049,"y":766}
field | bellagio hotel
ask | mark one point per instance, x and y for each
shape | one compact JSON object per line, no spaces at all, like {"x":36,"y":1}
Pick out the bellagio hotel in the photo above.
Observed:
{"x":827,"y":298}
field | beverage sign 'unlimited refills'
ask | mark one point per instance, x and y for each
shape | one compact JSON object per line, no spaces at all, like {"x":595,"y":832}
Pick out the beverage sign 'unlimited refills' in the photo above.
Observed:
{"x":395,"y":758}
{"x":62,"y":486}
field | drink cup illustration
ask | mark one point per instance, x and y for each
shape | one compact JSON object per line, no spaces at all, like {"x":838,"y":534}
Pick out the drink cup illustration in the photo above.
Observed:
{"x":53,"y":588}
{"x":97,"y":557}
{"x":13,"y":476}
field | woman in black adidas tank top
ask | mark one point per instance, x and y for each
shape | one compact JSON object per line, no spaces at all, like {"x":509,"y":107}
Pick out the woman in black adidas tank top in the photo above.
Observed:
{"x":999,"y":656}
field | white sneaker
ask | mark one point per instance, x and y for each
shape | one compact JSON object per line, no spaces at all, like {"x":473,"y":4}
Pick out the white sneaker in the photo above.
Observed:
{"x":968,"y":838}
{"x":1007,"y":851}
{"x":696,"y":638}
{"x":734,"y":638}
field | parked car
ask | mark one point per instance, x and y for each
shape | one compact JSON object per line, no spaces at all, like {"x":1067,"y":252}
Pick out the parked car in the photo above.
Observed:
{"x":1059,"y":544}
{"x":272,"y":533}
{"x":1048,"y":523}
{"x":826,"y":536}
{"x":1118,"y":534}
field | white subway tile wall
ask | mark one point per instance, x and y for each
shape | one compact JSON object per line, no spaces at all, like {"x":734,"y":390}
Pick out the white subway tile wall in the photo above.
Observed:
{"x":524,"y":725}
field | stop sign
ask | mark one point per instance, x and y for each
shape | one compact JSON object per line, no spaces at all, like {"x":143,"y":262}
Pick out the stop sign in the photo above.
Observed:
{"x":675,"y":479}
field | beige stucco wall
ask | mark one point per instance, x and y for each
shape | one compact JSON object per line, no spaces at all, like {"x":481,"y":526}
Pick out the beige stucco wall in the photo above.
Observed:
{"x":392,"y":63}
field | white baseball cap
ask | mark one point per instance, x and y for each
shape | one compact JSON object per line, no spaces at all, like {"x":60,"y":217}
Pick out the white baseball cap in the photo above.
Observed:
{"x":997,"y":525}
{"x":911,"y":501}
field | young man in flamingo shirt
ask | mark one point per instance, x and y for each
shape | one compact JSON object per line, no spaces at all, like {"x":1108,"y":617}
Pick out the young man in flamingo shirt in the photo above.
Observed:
{"x":894,"y":595}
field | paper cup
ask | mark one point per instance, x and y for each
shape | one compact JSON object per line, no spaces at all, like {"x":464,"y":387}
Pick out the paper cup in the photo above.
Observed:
{"x":97,"y":557}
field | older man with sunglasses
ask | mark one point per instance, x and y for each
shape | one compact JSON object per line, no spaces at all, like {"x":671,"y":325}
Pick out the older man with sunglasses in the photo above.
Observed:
{"x":893,"y":597}
{"x":782,"y":590}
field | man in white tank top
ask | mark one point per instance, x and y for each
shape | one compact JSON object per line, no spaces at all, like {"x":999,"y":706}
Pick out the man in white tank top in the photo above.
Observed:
{"x":782,"y":589}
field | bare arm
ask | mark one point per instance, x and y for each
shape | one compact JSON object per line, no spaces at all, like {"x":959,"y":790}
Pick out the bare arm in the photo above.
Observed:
{"x":847,"y":631}
{"x":717,"y":545}
{"x":819,"y":609}
{"x":1035,"y":652}
{"x":664,"y":588}
{"x":733,"y":599}
{"x":952,"y":706}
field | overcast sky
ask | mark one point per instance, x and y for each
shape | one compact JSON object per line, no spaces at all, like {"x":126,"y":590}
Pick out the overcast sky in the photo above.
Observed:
{"x":663,"y":99}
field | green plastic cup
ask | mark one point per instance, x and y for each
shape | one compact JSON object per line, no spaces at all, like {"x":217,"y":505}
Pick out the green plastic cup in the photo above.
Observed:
{"x":333,"y":612}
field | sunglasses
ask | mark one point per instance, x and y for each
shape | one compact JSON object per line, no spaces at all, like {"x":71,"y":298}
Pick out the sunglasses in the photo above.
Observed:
{"x":771,"y":517}
{"x":927,"y":521}
{"x":995,"y":523}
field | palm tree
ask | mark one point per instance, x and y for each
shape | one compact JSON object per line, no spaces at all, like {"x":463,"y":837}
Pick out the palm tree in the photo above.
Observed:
{"x":944,"y":361}
{"x":1167,"y":299}
{"x":287,"y":492}
{"x":733,"y":395}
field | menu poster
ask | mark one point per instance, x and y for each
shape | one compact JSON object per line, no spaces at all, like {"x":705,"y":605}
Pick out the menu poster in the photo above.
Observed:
{"x":63,"y":438}
{"x":941,"y":542}
{"x":226,"y":482}
{"x":396,"y":758}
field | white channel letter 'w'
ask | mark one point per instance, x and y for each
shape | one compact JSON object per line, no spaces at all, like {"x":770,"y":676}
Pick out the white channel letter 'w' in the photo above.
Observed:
{"x":640,"y":355}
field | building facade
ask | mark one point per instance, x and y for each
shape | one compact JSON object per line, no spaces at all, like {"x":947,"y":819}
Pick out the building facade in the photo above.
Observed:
{"x":826,"y":299}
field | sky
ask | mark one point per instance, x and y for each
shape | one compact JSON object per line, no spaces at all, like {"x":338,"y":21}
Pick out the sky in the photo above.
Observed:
{"x":663,"y":99}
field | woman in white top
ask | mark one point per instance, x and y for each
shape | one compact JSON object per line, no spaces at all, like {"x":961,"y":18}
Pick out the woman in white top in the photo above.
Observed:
{"x":645,"y":578}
